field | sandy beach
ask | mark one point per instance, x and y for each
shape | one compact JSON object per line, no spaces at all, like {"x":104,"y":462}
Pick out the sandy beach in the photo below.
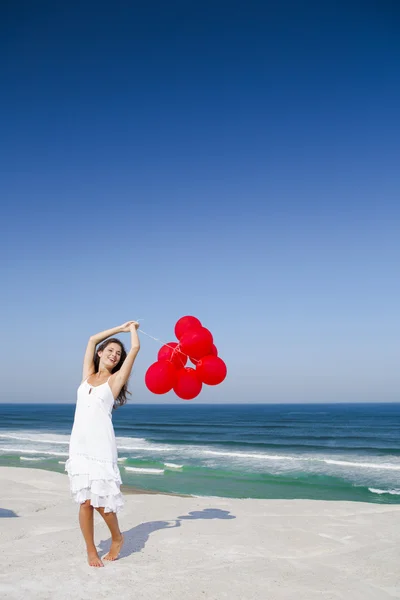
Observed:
{"x":188,"y":547}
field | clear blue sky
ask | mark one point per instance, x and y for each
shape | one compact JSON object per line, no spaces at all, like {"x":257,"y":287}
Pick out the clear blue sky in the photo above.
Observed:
{"x":238,"y":161}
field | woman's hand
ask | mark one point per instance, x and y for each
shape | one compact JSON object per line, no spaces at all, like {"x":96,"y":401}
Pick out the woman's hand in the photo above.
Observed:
{"x":127,"y":326}
{"x":134,"y":325}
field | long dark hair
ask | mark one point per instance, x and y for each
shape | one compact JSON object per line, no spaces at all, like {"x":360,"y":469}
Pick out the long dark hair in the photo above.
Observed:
{"x":121,"y":398}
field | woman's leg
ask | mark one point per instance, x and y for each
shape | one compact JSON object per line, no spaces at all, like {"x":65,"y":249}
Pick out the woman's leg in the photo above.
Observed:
{"x":87,"y":528}
{"x":116,"y":536}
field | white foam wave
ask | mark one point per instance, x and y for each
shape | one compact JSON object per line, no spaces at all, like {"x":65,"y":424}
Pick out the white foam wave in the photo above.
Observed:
{"x":62,"y":462}
{"x":140,"y":447}
{"x":130,"y":440}
{"x":148,"y":448}
{"x":378,"y":491}
{"x":362,"y":465}
{"x":122,"y":459}
{"x":145,"y":470}
{"x":31,"y":458}
{"x":247,"y":455}
{"x":29,"y":451}
{"x":34,"y":438}
{"x":124,"y":443}
{"x":313,"y":459}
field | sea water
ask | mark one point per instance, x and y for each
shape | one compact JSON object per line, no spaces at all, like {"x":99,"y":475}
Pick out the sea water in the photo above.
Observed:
{"x":324,"y":451}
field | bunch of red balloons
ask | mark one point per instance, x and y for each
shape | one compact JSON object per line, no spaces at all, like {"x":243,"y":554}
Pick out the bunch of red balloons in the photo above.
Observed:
{"x":170,"y":371}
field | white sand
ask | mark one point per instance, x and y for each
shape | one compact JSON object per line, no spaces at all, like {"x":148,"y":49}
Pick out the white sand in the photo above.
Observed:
{"x":191,"y":548}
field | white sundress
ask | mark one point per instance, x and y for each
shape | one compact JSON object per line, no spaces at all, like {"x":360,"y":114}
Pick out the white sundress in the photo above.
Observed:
{"x":92,"y":465}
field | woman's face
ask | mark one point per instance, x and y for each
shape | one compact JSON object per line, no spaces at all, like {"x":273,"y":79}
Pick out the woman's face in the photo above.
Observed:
{"x":111,"y":355}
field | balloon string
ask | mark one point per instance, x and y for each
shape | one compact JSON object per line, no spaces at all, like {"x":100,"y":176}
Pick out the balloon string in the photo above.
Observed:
{"x":154,"y":338}
{"x":174,"y":349}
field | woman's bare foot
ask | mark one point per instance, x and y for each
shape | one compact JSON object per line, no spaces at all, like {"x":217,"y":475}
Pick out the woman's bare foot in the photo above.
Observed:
{"x":115,"y":549}
{"x":93,"y":559}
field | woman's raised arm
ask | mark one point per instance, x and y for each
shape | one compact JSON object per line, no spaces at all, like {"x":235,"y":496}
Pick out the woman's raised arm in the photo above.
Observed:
{"x":121,"y":377}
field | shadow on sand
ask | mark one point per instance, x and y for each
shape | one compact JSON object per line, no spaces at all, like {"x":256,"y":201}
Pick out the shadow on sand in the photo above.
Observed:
{"x":4,"y":512}
{"x":136,"y":538}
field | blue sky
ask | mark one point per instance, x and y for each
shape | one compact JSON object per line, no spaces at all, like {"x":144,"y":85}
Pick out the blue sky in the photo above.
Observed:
{"x":235,"y":161}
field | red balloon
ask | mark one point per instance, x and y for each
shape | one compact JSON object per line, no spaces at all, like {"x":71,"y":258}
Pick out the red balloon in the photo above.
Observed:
{"x":187,"y":385}
{"x":197,"y":342}
{"x":214,"y":352}
{"x":184,"y":324}
{"x":172,"y":353}
{"x":160,"y":377}
{"x":211,"y":370}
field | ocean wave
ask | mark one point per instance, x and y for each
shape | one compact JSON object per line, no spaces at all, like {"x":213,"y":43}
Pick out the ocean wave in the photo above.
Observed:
{"x":289,"y":444}
{"x":34,"y":438}
{"x":29,"y":451}
{"x":141,"y":444}
{"x":328,"y":461}
{"x":312,"y":461}
{"x":392,"y":492}
{"x":362,"y":465}
{"x":143,"y":470}
{"x":148,"y":448}
{"x":194,"y":452}
{"x":31,"y":458}
{"x":41,"y":438}
{"x":130,"y":440}
{"x":248,"y":455}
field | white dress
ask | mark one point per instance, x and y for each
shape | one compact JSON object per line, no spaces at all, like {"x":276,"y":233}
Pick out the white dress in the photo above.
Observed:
{"x":92,"y":465}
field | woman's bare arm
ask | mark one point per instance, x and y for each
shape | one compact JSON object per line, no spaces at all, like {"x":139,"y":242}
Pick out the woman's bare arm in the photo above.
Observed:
{"x":121,"y":377}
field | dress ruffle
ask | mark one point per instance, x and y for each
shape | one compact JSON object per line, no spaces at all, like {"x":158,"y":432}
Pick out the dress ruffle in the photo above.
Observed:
{"x":95,"y":480}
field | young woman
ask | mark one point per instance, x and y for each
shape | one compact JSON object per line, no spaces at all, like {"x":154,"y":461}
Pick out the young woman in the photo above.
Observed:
{"x":92,"y":465}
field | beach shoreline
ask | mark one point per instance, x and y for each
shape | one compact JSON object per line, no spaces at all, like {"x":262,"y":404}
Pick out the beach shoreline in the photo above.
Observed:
{"x":198,"y":547}
{"x":132,"y":490}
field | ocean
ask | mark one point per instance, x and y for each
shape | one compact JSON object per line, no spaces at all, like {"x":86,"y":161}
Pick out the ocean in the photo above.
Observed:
{"x":324,"y":451}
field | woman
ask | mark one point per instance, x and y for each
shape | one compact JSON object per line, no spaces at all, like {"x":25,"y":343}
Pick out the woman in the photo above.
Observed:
{"x":92,"y":465}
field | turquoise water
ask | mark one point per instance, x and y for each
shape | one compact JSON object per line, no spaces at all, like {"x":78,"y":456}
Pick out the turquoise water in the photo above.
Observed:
{"x":332,"y":452}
